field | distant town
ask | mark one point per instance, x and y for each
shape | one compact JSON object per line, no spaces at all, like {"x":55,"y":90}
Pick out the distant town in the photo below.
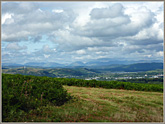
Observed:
{"x":128,"y":77}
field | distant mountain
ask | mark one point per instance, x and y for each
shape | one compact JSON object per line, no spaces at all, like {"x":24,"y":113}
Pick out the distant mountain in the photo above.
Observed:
{"x":132,"y":67}
{"x":107,"y":61}
{"x":44,"y":64}
{"x":35,"y":64}
{"x":104,"y":64}
{"x":77,"y":63}
{"x":11,"y":64}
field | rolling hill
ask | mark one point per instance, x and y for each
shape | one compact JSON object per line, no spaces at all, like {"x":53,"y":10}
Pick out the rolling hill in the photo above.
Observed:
{"x":81,"y":71}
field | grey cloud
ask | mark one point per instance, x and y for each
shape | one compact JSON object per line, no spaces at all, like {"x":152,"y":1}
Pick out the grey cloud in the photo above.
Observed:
{"x":110,"y":30}
{"x":161,"y":26}
{"x":67,"y":41}
{"x":35,"y":22}
{"x":47,"y":49}
{"x":16,"y":36}
{"x":142,"y":48}
{"x":15,"y":46}
{"x":119,"y":26}
{"x":18,"y":7}
{"x":146,"y":41}
{"x":102,"y":36}
{"x":15,"y":57}
{"x":111,"y":12}
{"x":157,"y":47}
{"x":36,"y":38}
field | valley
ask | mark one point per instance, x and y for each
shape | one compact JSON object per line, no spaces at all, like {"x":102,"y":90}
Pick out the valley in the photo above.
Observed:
{"x":107,"y":73}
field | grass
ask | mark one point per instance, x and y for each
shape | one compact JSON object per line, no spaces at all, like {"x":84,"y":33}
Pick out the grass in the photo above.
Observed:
{"x":103,"y":105}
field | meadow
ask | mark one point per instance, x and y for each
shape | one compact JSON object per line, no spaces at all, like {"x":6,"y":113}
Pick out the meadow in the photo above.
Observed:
{"x":45,"y":99}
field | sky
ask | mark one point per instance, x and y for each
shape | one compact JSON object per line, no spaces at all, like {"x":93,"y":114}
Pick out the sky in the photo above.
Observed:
{"x":66,"y":32}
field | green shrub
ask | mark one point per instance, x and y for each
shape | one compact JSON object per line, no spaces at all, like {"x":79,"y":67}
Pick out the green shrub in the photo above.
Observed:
{"x":111,"y":84}
{"x":24,"y":93}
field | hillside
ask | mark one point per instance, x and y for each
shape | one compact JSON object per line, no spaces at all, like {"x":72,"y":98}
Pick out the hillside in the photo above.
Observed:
{"x":45,"y":99}
{"x":81,"y":71}
{"x":56,"y":72}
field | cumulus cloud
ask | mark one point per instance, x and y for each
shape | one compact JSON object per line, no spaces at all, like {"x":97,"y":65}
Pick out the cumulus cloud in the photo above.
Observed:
{"x":68,"y":41}
{"x":7,"y":18}
{"x":121,"y":25}
{"x":110,"y":12}
{"x":46,"y":56}
{"x":15,"y":46}
{"x":160,"y":53}
{"x":100,"y":30}
{"x":80,"y":52}
{"x":47,"y":49}
{"x":58,"y":10}
{"x":30,"y":21}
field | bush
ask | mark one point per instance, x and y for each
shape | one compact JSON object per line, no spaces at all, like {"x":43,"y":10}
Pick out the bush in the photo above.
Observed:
{"x":24,"y":93}
{"x":111,"y":84}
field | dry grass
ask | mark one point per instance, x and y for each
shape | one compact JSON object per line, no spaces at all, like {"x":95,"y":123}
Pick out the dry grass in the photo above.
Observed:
{"x":122,"y":105}
{"x":103,"y":105}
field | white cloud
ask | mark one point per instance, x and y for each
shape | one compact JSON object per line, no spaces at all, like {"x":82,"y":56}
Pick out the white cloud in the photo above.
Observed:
{"x":149,"y":56}
{"x":58,"y":10}
{"x":16,"y":36}
{"x":98,"y":30}
{"x":7,"y":18}
{"x":34,"y":22}
{"x":47,"y":49}
{"x":82,"y":57}
{"x":80,"y":52}
{"x":160,"y":53}
{"x":15,"y":46}
{"x":68,"y":41}
{"x":46,"y":56}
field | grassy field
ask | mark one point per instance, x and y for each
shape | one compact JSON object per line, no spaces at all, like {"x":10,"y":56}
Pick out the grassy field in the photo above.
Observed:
{"x":103,"y":105}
